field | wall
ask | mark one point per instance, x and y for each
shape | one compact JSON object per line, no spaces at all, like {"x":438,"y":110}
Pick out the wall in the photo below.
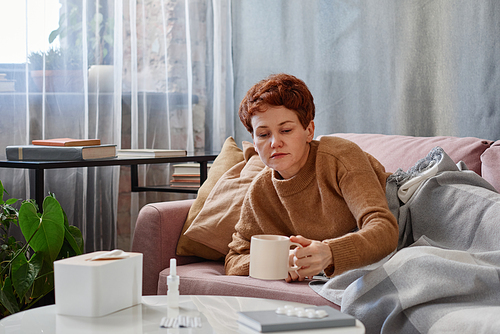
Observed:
{"x":153,"y":62}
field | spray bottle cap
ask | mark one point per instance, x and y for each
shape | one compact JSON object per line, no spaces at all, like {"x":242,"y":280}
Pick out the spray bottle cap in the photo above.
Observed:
{"x":173,"y":285}
{"x":173,"y":267}
{"x":173,"y":278}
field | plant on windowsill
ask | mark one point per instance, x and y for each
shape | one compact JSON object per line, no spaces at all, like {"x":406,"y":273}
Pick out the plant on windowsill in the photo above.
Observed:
{"x":27,"y":268}
{"x":63,"y":71}
{"x":100,"y":36}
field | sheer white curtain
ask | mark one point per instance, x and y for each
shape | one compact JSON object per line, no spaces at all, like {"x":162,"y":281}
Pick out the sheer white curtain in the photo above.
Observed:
{"x":180,"y":83}
{"x":135,"y":73}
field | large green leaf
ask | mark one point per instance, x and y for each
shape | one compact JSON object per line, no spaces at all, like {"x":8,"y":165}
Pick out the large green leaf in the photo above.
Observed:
{"x":45,"y":232}
{"x":7,"y":297}
{"x":29,"y":219}
{"x":73,"y":236}
{"x":36,"y":261}
{"x":44,"y":283}
{"x":24,"y":273}
{"x":73,"y":243}
{"x":19,"y":273}
{"x":75,"y":239}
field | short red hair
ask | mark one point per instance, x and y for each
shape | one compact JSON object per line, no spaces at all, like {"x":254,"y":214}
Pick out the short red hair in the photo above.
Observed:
{"x":278,"y":90}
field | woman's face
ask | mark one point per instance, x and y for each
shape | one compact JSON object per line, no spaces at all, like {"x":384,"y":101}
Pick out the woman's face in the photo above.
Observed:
{"x":280,"y":140}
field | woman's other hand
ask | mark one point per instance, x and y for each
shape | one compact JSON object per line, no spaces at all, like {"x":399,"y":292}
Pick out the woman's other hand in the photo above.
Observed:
{"x":312,"y":258}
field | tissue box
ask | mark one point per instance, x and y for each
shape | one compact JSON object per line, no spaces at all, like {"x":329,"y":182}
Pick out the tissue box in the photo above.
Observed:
{"x":96,"y":288}
{"x":127,"y":321}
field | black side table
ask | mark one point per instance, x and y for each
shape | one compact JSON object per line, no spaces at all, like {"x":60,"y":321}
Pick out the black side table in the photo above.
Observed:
{"x":39,"y":168}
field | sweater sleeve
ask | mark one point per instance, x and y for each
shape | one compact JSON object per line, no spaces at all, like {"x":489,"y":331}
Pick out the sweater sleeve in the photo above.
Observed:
{"x":361,"y":182}
{"x":238,"y":257}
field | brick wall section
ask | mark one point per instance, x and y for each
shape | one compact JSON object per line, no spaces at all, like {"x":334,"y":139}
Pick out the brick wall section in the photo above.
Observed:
{"x":151,"y":78}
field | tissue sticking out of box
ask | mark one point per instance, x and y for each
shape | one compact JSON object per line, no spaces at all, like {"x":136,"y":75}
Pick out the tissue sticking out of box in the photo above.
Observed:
{"x":116,"y":254}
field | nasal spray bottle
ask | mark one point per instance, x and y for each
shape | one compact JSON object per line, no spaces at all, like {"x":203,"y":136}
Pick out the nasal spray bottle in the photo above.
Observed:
{"x":173,"y":285}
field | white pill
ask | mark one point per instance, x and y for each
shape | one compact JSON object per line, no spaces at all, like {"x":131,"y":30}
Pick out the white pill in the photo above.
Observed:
{"x":312,"y":315}
{"x":291,"y":313}
{"x":321,"y":313}
{"x":281,"y":310}
{"x":302,"y":314}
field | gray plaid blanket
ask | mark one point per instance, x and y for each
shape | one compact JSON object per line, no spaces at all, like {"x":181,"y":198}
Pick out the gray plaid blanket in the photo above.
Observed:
{"x":444,"y":277}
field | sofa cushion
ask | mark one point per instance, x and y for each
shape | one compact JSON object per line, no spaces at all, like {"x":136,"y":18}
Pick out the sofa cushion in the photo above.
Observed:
{"x":491,"y":165}
{"x":395,"y":151}
{"x":208,"y":278}
{"x":214,"y":225}
{"x":229,"y":156}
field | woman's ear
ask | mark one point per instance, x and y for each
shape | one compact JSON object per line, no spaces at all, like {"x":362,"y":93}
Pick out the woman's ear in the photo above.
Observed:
{"x":310,"y":130}
{"x":254,"y":145}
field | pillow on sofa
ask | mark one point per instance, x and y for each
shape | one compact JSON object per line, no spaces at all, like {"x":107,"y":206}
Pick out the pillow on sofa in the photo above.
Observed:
{"x":214,"y":225}
{"x":489,"y":167}
{"x":229,"y":156}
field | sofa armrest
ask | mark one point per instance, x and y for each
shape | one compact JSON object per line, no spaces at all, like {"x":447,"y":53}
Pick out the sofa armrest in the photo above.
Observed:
{"x":157,"y":230}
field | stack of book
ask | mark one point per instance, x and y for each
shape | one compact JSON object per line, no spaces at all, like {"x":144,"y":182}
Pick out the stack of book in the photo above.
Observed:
{"x":186,"y":175}
{"x":6,"y":85}
{"x":61,"y":149}
{"x":151,"y":153}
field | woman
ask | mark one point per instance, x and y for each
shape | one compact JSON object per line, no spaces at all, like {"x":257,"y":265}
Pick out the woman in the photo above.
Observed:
{"x":327,"y":195}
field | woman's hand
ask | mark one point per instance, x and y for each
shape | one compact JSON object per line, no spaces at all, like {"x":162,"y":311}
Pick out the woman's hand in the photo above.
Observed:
{"x":292,"y":274}
{"x":312,"y":258}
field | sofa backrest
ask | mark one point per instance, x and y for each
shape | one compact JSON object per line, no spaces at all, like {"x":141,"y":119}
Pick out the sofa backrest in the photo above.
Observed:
{"x":394,"y":151}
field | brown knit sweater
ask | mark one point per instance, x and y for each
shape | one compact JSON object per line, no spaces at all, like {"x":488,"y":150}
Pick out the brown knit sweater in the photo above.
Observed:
{"x":339,"y":189}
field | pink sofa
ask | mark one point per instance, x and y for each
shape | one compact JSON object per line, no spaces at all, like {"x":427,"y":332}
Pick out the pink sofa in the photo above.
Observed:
{"x":159,"y":224}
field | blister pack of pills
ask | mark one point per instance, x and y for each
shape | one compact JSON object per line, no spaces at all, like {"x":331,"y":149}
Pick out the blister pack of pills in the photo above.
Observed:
{"x":301,"y":312}
{"x":181,"y":321}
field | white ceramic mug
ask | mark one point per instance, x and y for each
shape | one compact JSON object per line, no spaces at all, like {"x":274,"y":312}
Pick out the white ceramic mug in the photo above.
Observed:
{"x":269,"y":256}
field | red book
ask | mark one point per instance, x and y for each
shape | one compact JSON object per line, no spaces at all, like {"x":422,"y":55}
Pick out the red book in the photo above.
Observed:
{"x":66,"y":142}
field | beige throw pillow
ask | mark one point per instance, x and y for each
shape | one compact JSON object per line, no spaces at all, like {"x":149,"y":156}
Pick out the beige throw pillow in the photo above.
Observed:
{"x":214,"y":225}
{"x":229,"y":156}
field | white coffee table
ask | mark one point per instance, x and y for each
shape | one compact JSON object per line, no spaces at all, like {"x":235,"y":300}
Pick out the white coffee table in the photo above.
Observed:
{"x":218,"y":315}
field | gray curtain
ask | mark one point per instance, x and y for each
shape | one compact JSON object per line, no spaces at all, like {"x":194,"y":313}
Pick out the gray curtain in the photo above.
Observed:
{"x":420,"y":68}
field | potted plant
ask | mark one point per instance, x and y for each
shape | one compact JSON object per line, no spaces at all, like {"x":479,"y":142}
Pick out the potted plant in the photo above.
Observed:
{"x":99,"y":43}
{"x":100,"y":34}
{"x":27,"y":267}
{"x":63,"y":71}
